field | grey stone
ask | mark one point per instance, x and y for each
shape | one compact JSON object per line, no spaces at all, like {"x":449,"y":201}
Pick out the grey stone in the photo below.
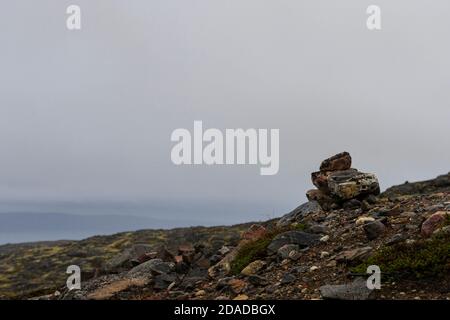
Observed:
{"x":299,"y":213}
{"x":374,"y":229}
{"x":287,"y":278}
{"x":318,"y":228}
{"x":396,"y":238}
{"x":151,"y":267}
{"x":123,"y":261}
{"x":284,"y":251}
{"x":302,"y":239}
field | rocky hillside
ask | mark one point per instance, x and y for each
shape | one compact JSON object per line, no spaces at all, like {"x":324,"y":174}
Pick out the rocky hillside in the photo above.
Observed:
{"x":319,"y":250}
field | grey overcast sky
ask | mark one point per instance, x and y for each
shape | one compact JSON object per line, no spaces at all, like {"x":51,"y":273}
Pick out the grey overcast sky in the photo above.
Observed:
{"x":86,"y":116}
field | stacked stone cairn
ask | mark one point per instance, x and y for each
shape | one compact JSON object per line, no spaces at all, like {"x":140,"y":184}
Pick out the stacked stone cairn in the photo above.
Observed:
{"x":339,"y":185}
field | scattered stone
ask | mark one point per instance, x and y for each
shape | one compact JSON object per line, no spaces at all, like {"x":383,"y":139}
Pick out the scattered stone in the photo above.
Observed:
{"x":253,"y":268}
{"x":325,"y":238}
{"x":163,"y":281}
{"x":363,"y":219}
{"x":318,"y":228}
{"x":151,"y":267}
{"x":224,"y":250}
{"x":351,"y":204}
{"x":300,"y":238}
{"x":257,"y":280}
{"x":396,"y":238}
{"x":443,"y":230}
{"x":355,"y":255}
{"x":374,"y":229}
{"x":324,"y":254}
{"x":294,"y":255}
{"x":241,"y":297}
{"x":285,"y":250}
{"x":435,"y":221}
{"x":187,"y":252}
{"x":136,"y":255}
{"x":200,"y":293}
{"x":319,"y":197}
{"x":255,"y":231}
{"x":287,"y":278}
{"x":237,"y":285}
{"x":313,"y":268}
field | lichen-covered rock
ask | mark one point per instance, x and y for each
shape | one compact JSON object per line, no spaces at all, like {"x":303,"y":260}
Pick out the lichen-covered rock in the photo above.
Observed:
{"x":285,"y":250}
{"x":253,"y":268}
{"x":349,"y":184}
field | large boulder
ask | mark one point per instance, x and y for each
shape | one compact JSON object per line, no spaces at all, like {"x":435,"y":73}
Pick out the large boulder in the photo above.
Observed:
{"x":299,"y":213}
{"x":300,"y":238}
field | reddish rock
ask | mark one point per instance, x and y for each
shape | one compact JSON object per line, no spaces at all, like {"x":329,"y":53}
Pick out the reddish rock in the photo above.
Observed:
{"x":324,"y":200}
{"x":237,"y":285}
{"x":187,"y":252}
{"x":434,"y":222}
{"x":317,"y":195}
{"x":255,"y":231}
{"x":320,"y":180}
{"x":178,"y":259}
{"x":340,"y":161}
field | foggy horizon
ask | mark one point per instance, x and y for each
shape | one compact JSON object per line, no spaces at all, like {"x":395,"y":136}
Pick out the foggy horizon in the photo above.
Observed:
{"x":86,"y":116}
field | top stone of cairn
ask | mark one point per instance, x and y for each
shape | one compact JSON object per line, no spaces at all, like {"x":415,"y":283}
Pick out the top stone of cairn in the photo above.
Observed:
{"x":340,"y":161}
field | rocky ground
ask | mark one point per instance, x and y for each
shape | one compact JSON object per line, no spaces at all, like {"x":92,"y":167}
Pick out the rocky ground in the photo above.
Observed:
{"x":320,"y":250}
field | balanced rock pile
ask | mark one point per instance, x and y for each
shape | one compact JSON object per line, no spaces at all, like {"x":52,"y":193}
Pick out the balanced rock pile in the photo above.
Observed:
{"x":340,"y":185}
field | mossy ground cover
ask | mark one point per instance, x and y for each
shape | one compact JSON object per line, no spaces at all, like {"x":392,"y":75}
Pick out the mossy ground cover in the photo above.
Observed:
{"x":28,"y":270}
{"x":423,"y":259}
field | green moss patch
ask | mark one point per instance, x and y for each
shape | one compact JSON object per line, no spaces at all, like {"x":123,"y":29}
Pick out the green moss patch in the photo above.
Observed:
{"x":422,"y":259}
{"x":248,"y":253}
